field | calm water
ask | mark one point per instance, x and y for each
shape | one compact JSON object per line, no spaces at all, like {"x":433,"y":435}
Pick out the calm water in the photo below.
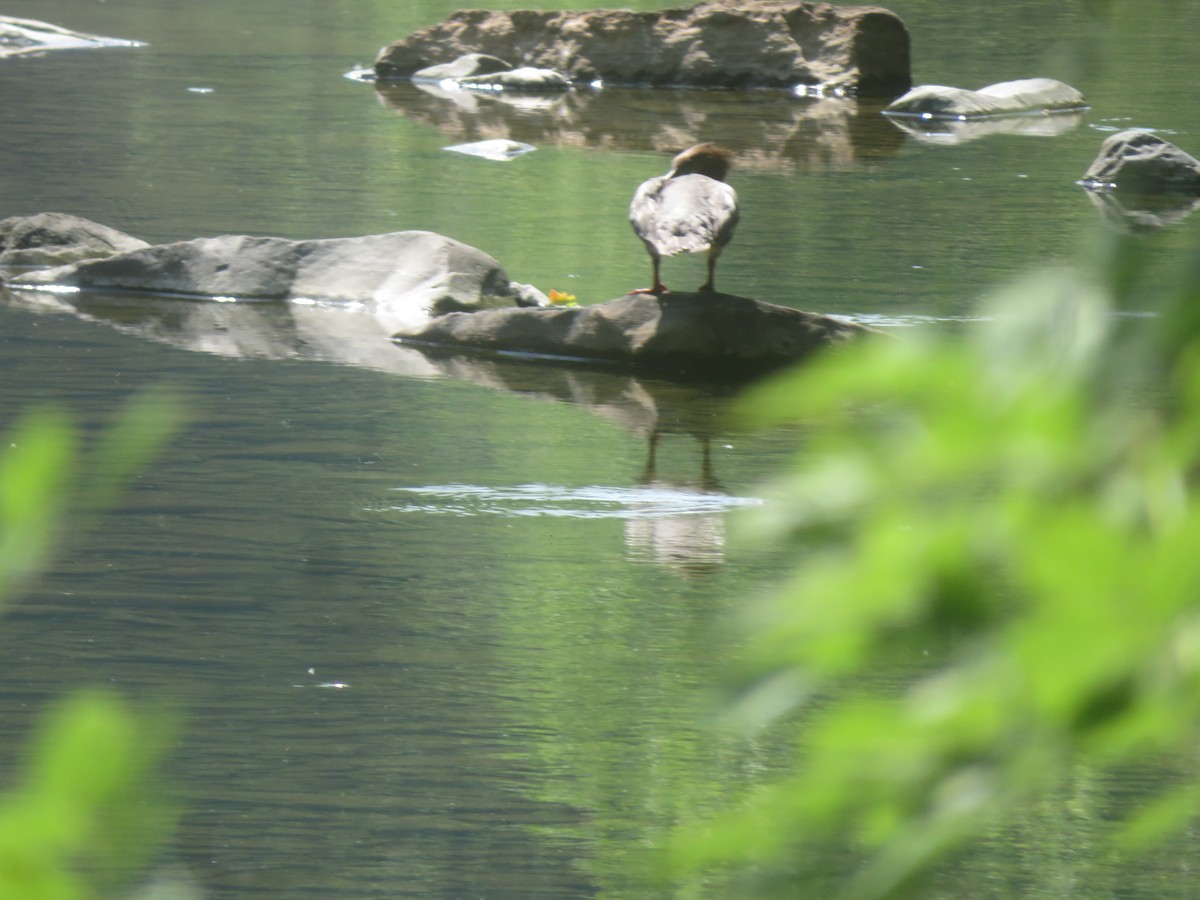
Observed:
{"x":440,"y":630}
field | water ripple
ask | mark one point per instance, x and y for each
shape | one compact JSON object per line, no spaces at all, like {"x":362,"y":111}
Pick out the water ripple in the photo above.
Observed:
{"x":591,"y":502}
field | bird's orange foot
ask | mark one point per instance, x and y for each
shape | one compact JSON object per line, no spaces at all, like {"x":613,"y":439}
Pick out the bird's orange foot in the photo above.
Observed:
{"x":656,"y":290}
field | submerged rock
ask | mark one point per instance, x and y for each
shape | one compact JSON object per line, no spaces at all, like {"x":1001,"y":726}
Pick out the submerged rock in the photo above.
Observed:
{"x":498,"y":150}
{"x":28,"y":36}
{"x":405,"y":277}
{"x":718,"y":43}
{"x":693,"y":335}
{"x":1007,"y":98}
{"x":466,"y":66}
{"x":1140,"y":162}
{"x":55,"y":239}
{"x":483,"y":72}
{"x":525,"y":78}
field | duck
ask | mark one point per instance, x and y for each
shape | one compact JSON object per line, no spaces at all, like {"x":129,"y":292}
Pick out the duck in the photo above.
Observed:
{"x":689,"y":210}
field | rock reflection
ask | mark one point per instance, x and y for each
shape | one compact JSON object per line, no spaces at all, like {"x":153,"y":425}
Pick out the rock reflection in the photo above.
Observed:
{"x":949,"y":132}
{"x":1141,"y":213}
{"x":769,"y":130}
{"x":346,"y":334}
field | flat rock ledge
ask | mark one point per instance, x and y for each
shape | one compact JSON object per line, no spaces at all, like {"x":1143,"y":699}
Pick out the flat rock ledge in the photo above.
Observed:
{"x":719,"y":43}
{"x":406,"y":277}
{"x":1007,"y":98}
{"x":28,"y":36}
{"x":693,"y":335}
{"x":1140,"y":162}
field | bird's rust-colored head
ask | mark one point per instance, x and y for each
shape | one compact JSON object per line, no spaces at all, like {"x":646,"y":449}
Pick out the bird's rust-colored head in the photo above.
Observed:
{"x":702,"y":159}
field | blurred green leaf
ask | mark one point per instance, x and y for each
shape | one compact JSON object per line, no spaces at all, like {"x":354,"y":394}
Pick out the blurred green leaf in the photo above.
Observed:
{"x":87,"y":811}
{"x":88,"y":808}
{"x":124,"y":449}
{"x":35,"y":469}
{"x":998,"y":582}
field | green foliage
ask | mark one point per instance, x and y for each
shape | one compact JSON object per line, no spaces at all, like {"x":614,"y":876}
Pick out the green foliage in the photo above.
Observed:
{"x":126,"y":447}
{"x":85,"y":814}
{"x":998,"y":581}
{"x":33,"y":474}
{"x":45,"y":480}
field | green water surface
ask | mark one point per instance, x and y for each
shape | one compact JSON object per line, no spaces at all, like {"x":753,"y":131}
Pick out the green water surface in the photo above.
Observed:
{"x":448,"y":631}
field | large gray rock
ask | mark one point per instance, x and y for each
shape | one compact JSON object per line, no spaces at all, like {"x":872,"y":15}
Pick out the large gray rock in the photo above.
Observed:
{"x":28,"y":36}
{"x":1139,"y":162}
{"x":404,"y":277}
{"x":719,"y":43}
{"x":693,"y":335}
{"x":1028,"y":95}
{"x":55,"y":239}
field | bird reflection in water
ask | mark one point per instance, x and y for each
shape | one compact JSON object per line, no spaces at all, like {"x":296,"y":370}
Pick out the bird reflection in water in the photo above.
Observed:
{"x":689,"y":544}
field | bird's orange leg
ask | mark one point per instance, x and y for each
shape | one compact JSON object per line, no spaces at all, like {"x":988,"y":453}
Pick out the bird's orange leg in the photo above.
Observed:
{"x":708,"y":286}
{"x":659,"y":287}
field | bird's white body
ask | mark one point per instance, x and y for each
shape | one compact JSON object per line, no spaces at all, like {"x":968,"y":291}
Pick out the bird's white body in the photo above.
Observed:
{"x":684,"y":214}
{"x":689,"y":210}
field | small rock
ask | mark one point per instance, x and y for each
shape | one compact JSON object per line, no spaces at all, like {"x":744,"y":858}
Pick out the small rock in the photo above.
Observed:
{"x":499,"y":150}
{"x":528,"y":295}
{"x":361,"y":73}
{"x":1141,"y":162}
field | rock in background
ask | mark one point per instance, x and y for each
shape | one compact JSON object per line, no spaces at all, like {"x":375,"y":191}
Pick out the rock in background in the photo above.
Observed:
{"x":760,"y":43}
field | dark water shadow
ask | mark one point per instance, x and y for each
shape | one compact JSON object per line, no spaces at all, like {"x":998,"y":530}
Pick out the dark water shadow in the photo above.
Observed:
{"x":641,"y":405}
{"x":769,"y":130}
